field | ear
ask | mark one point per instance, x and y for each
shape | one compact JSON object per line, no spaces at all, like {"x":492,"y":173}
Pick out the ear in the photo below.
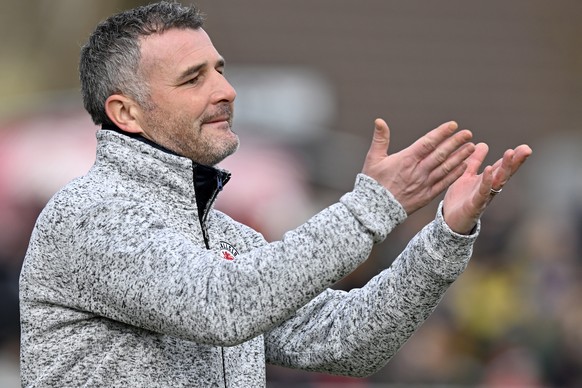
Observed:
{"x":123,"y":112}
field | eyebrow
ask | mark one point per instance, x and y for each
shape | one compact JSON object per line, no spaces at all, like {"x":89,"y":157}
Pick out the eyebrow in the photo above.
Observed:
{"x":196,"y":69}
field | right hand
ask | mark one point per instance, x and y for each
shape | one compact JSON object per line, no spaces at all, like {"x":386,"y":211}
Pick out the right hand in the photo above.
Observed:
{"x":419,"y":173}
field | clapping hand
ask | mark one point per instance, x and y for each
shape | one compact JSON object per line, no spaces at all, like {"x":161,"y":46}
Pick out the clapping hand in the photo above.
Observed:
{"x":419,"y":173}
{"x":468,"y":197}
{"x":440,"y":160}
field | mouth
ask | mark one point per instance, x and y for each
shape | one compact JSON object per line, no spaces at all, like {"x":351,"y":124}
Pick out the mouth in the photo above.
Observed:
{"x":218,"y":120}
{"x":218,"y":123}
{"x":220,"y":117}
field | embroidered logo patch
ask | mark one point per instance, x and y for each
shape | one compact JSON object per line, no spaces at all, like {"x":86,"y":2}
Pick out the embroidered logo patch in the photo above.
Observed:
{"x":228,"y":251}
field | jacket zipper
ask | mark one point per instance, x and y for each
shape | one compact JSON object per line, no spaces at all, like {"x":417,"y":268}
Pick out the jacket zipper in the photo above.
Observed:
{"x":219,"y":185}
{"x":208,"y":182}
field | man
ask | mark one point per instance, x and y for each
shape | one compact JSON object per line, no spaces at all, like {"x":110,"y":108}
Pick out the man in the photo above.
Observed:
{"x":133,"y":279}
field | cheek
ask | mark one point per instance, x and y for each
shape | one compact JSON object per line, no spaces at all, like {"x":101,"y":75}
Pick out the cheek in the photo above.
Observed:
{"x":177,"y":114}
{"x":188,"y":105}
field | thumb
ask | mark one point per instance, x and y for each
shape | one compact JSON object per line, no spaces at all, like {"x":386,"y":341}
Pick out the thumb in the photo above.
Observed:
{"x":380,"y":140}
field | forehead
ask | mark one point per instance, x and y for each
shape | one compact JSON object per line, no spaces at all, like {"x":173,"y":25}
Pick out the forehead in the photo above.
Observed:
{"x":176,"y":49}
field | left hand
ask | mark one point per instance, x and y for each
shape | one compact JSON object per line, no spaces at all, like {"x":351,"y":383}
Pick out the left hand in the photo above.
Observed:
{"x":468,"y":197}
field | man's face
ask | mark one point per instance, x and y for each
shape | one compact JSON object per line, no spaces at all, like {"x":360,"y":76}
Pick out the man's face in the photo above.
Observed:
{"x":191,"y":102}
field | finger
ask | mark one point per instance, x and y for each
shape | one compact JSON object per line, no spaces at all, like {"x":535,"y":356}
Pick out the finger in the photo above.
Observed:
{"x":476,"y":159}
{"x":456,"y":159}
{"x":523,"y":150}
{"x":449,"y":178}
{"x":441,"y":155}
{"x":521,"y":154}
{"x":380,"y":141}
{"x":487,"y":179}
{"x":503,"y":172}
{"x":486,"y":184}
{"x":429,"y":142}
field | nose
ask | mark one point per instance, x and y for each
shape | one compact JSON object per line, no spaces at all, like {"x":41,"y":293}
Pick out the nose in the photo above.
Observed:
{"x":223,"y":90}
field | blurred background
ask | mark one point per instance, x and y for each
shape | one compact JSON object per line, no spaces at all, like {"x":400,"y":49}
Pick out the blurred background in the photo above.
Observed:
{"x":311,"y":77}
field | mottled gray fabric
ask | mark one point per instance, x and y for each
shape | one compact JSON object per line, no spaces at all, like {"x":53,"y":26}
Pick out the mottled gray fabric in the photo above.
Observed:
{"x":118,"y":289}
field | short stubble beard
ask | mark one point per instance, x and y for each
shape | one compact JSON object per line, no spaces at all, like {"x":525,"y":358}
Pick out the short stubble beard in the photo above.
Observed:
{"x":192,"y":143}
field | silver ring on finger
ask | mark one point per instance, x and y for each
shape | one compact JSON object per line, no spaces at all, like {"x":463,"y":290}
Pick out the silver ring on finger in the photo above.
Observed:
{"x":494,"y":192}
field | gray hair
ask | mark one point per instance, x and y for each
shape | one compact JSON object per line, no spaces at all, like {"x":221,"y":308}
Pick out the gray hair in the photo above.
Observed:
{"x":109,"y":61}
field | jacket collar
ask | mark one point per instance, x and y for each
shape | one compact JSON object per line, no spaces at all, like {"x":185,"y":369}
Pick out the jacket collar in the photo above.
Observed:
{"x":205,"y":181}
{"x":137,"y":136}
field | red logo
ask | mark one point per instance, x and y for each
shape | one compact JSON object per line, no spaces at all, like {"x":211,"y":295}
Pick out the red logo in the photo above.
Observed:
{"x":228,"y":251}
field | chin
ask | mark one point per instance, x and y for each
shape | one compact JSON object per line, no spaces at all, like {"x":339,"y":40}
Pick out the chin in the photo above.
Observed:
{"x":220,"y":155}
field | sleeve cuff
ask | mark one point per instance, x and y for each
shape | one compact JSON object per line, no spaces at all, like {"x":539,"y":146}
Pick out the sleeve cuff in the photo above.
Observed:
{"x":447,"y":244}
{"x":374,"y":207}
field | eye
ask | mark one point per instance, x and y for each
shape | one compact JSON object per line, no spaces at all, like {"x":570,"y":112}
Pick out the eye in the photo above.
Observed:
{"x":192,"y":81}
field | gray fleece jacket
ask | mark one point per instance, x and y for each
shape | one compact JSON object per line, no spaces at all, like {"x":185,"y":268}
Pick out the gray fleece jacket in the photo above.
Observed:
{"x":132,"y":280}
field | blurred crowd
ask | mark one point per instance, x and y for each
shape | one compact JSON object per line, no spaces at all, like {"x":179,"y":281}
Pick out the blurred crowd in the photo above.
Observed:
{"x":512,"y":319}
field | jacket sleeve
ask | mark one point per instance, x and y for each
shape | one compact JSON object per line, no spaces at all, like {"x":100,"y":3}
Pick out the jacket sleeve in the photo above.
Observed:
{"x":356,"y":333}
{"x":155,"y":277}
